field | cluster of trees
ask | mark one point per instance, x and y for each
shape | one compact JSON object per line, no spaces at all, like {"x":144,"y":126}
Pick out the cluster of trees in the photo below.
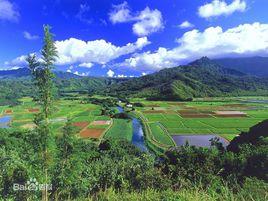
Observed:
{"x":12,"y":90}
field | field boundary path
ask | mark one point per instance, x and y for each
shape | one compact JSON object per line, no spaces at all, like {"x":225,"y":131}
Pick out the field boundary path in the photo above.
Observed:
{"x":106,"y":130}
{"x":148,"y":134}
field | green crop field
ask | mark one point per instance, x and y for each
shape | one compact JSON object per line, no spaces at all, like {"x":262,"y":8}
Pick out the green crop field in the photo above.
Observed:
{"x":160,"y":135}
{"x":200,"y":116}
{"x":22,"y":115}
{"x":121,"y":128}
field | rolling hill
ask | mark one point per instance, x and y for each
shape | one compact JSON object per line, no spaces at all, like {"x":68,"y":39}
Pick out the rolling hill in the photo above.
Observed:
{"x":15,"y":84}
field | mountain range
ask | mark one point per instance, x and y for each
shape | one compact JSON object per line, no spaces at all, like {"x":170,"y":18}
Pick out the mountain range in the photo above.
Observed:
{"x":25,"y":72}
{"x":257,"y":66}
{"x":201,"y":78}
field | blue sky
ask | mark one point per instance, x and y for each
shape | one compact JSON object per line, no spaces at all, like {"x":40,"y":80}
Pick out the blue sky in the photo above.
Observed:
{"x":134,"y":37}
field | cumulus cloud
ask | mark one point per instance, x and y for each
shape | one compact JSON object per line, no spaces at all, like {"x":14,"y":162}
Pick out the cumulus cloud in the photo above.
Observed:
{"x":186,"y":24}
{"x":246,"y":40}
{"x":29,"y":36}
{"x":110,"y":73}
{"x":8,"y":11}
{"x":87,"y":53}
{"x":98,"y":51}
{"x":120,"y":13}
{"x":87,"y":65}
{"x":121,"y":76}
{"x":220,"y":7}
{"x":19,"y":61}
{"x":146,"y":21}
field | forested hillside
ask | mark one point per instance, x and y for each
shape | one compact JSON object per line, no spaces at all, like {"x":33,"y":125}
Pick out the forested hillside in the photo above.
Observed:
{"x":200,"y":78}
{"x":12,"y":89}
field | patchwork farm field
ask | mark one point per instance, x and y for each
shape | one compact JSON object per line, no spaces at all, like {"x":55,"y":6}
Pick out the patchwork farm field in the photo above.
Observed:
{"x":86,"y":118}
{"x":226,"y":117}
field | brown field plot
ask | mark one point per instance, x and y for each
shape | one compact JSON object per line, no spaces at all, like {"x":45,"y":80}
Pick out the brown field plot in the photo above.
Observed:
{"x":91,"y":132}
{"x":81,"y":124}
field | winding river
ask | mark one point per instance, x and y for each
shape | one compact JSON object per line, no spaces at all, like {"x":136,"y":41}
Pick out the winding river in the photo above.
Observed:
{"x":138,"y":134}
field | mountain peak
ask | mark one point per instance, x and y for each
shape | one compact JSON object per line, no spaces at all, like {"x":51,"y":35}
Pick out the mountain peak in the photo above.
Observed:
{"x":202,"y":61}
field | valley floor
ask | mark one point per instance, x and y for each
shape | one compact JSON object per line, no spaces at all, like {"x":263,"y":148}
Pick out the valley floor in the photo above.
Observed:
{"x":163,"y":121}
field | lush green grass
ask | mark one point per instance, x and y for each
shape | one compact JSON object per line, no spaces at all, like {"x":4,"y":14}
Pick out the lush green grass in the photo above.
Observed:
{"x":154,"y":117}
{"x":121,"y":128}
{"x":159,"y":134}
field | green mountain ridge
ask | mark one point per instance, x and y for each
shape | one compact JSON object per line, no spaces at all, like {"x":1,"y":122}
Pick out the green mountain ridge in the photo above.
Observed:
{"x":201,"y":78}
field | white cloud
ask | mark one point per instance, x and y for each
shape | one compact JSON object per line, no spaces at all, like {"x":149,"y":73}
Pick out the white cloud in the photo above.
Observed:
{"x":82,"y":74}
{"x":186,"y":24}
{"x":87,"y":53}
{"x":246,"y":40}
{"x":220,"y":7}
{"x":87,"y":65}
{"x":8,"y":11}
{"x":149,"y":21}
{"x":121,"y":76}
{"x":19,"y":61}
{"x":99,"y":51}
{"x":143,"y":74}
{"x":120,"y":13}
{"x":68,"y":71}
{"x":146,"y":21}
{"x":29,"y":36}
{"x":110,"y":73}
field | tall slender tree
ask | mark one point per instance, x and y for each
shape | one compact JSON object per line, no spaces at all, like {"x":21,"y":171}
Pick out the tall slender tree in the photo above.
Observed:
{"x":43,"y":79}
{"x":42,"y":71}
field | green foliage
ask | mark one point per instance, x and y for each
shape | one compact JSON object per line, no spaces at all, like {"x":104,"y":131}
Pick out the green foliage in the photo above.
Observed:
{"x":42,"y":71}
{"x":82,"y":169}
{"x":255,"y":136}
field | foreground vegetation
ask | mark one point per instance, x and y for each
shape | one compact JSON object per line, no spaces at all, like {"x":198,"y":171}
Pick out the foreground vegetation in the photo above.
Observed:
{"x":117,"y":169}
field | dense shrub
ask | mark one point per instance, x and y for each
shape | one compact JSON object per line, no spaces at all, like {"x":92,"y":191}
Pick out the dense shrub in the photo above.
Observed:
{"x":81,"y":168}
